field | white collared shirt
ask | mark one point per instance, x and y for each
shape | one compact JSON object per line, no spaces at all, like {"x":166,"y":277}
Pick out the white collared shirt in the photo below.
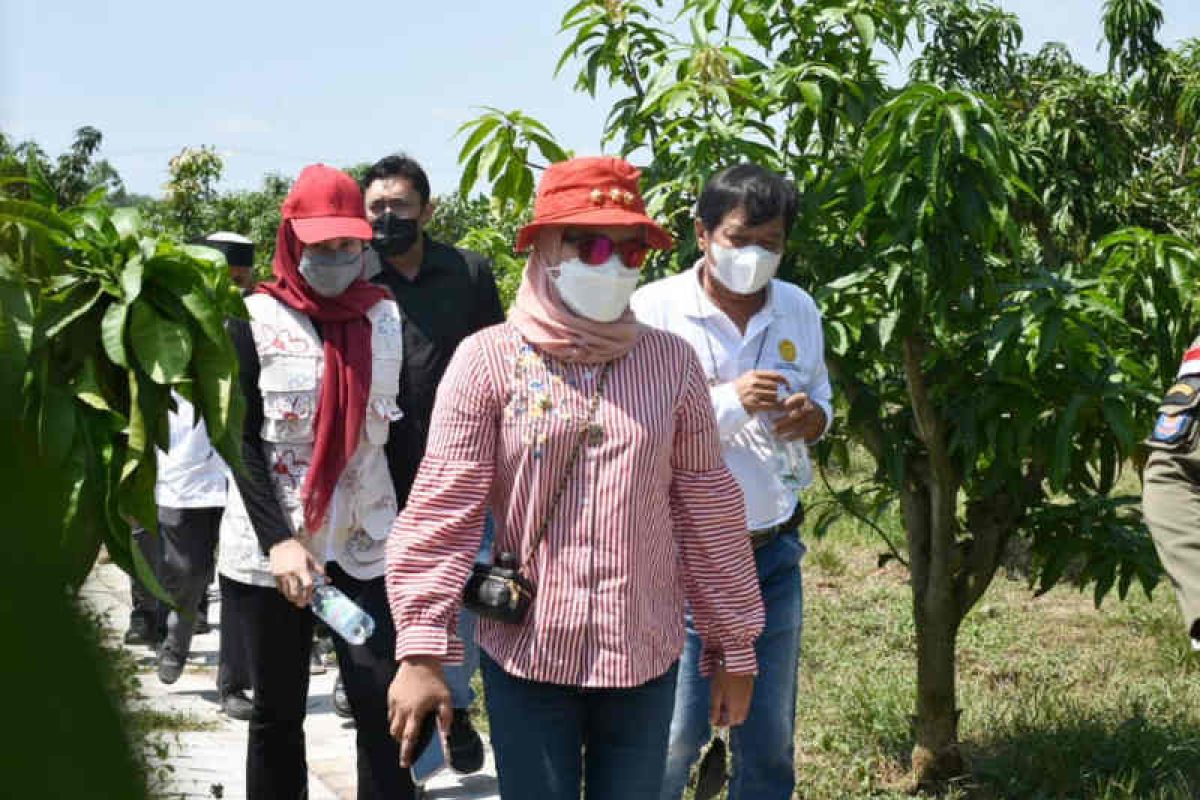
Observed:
{"x":784,"y":336}
{"x":190,"y":473}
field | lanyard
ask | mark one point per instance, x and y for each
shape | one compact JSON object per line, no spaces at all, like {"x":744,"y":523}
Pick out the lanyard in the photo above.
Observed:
{"x":712,"y":356}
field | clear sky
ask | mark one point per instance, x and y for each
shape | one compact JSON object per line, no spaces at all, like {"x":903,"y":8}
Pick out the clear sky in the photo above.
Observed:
{"x":274,"y":86}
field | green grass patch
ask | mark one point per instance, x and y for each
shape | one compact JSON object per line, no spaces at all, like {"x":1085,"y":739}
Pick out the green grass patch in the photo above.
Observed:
{"x":1058,"y":699}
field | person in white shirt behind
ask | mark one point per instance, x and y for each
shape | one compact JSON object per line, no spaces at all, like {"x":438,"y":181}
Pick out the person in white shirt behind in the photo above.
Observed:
{"x":760,"y":342}
{"x":190,"y":494}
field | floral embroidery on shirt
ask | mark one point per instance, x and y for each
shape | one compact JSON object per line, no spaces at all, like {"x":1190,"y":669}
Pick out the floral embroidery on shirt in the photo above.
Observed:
{"x":283,"y":340}
{"x":289,"y":468}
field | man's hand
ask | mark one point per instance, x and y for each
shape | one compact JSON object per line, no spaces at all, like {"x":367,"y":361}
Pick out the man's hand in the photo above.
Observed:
{"x":293,"y":567}
{"x":758,"y":390}
{"x":801,"y":419}
{"x":730,"y":698}
{"x":418,"y":689}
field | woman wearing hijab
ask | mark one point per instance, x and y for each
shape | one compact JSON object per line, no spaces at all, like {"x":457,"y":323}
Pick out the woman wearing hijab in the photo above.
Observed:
{"x":320,"y":360}
{"x":591,"y":439}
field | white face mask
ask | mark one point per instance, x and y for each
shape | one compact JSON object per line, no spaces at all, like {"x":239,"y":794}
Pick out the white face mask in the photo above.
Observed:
{"x":600,"y":293}
{"x":744,"y":270}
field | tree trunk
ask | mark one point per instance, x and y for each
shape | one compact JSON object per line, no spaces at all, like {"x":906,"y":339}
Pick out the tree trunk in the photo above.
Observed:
{"x":935,"y":756}
{"x":929,"y":502}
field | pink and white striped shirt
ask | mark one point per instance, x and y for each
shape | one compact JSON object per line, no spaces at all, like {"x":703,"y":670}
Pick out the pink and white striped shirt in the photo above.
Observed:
{"x":650,"y":516}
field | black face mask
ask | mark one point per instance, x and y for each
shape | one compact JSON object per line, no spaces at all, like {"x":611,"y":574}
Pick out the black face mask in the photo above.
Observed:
{"x":393,"y":236}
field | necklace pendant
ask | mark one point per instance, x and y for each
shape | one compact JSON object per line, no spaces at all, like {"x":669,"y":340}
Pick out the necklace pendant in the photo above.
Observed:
{"x":595,"y":433}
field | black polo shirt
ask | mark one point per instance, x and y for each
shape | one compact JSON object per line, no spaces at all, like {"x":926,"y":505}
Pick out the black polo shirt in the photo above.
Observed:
{"x":453,"y":295}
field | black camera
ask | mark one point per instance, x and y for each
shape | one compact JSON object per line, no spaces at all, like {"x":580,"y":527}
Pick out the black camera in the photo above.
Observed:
{"x":499,"y":591}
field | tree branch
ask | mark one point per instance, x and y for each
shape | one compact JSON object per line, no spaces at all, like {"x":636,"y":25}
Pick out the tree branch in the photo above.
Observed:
{"x":636,"y":82}
{"x":863,"y":518}
{"x":992,"y":521}
{"x":857,"y":393}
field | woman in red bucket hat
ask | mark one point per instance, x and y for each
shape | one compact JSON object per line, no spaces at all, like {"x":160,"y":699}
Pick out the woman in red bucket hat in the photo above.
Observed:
{"x":592,"y":440}
{"x":320,"y":365}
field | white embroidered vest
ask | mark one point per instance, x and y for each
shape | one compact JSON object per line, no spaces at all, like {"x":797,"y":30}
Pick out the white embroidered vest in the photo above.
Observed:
{"x":363,"y":506}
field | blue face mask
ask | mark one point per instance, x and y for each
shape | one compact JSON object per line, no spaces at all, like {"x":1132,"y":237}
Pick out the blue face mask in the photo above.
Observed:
{"x":329,"y":274}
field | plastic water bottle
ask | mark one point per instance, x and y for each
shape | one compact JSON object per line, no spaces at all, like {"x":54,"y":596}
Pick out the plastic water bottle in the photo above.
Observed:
{"x":789,"y":457}
{"x":792,"y":464}
{"x":340,"y":613}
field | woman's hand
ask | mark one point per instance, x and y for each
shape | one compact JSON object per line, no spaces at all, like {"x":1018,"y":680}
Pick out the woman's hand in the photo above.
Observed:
{"x":418,"y":689}
{"x":293,"y":567}
{"x":730,"y":699}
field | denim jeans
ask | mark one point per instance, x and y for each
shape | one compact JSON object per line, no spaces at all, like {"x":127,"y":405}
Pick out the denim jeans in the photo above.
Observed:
{"x":551,"y":739}
{"x":762,"y":747}
{"x":458,"y":677}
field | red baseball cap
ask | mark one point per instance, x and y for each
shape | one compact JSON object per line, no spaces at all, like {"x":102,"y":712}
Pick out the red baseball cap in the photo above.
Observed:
{"x":593,"y":190}
{"x":326,"y":203}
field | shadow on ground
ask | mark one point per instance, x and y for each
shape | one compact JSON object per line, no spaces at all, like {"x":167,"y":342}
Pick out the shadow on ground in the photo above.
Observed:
{"x":1100,"y":758}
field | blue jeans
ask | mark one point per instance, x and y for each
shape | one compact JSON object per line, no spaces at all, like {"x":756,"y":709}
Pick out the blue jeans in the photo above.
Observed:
{"x":550,"y":739}
{"x":763,"y":747}
{"x":458,"y":677}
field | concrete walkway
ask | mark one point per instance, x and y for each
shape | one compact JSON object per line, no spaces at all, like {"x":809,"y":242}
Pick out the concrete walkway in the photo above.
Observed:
{"x":211,"y":763}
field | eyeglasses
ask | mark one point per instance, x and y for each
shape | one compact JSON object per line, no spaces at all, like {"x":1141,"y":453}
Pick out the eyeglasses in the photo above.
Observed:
{"x":596,"y":248}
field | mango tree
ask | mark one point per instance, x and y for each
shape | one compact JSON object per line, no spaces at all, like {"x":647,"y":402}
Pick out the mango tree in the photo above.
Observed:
{"x":99,"y":322}
{"x":975,"y":242}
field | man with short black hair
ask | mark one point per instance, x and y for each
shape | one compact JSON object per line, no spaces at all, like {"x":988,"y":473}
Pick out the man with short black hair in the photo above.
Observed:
{"x":445,"y":294}
{"x":759,"y":340}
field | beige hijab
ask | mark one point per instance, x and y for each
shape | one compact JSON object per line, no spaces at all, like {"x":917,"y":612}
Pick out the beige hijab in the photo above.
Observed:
{"x":546,"y":322}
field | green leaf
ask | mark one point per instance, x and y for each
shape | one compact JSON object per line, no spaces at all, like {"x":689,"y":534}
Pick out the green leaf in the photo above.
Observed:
{"x":662,"y":82}
{"x":865,"y":27}
{"x":34,"y":216}
{"x":112,"y":333}
{"x":214,"y":386}
{"x":127,"y":221}
{"x":483,"y":126}
{"x":470,"y":174}
{"x":72,"y":305}
{"x":135,"y":493}
{"x":959,"y":123}
{"x":56,"y":425}
{"x":131,"y":278}
{"x":200,"y":305}
{"x":1061,"y":462}
{"x":163,"y":347}
{"x":813,"y":98}
{"x":16,"y":335}
{"x":887,"y":327}
{"x":87,"y":387}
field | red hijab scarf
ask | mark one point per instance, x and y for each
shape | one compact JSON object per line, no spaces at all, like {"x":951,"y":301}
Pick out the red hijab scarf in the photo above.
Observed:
{"x":346,"y":383}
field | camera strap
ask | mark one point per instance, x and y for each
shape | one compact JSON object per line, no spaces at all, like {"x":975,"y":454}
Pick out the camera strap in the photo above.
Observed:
{"x":585,"y":434}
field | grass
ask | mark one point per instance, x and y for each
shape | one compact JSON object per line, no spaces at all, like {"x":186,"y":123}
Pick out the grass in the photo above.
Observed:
{"x":1058,"y":699}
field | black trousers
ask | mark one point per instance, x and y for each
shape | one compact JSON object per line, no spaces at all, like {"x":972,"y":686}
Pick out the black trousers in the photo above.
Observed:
{"x":233,"y":660}
{"x":279,"y":639}
{"x":189,"y":546}
{"x":145,"y":604}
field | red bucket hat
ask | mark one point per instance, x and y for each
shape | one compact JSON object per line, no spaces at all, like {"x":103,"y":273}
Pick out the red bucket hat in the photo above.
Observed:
{"x":325,"y":203}
{"x":595,"y":190}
